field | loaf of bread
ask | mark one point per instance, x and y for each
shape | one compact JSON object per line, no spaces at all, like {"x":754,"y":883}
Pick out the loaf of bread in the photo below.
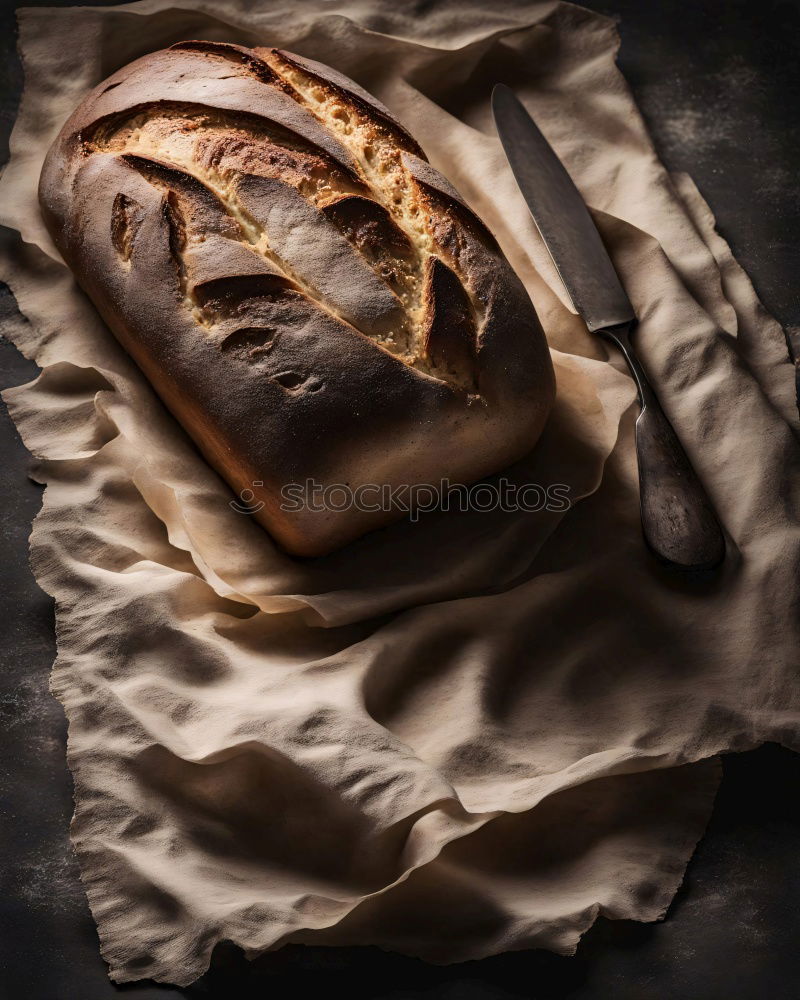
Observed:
{"x":310,"y":298}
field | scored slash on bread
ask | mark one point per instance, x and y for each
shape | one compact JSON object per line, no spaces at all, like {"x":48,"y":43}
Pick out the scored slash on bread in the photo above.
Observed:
{"x":310,"y":298}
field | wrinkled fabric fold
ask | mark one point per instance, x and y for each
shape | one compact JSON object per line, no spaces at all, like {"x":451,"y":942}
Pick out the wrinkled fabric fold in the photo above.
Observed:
{"x":455,"y":737}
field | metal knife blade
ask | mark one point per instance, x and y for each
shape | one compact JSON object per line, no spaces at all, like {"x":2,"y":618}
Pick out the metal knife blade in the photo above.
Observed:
{"x":561,"y":216}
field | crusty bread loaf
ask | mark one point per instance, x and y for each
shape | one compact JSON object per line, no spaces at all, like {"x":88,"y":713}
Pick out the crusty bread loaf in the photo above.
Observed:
{"x":310,"y":298}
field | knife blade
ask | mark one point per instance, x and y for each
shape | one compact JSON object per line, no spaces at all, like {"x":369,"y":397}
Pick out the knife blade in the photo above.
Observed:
{"x":678,"y":521}
{"x":561,"y":216}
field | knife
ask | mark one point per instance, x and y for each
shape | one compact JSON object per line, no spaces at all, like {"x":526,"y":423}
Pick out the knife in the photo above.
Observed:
{"x":678,"y":521}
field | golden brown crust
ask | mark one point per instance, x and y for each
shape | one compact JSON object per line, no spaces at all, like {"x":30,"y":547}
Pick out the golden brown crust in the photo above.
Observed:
{"x":311,"y":299}
{"x":351,"y":91}
{"x":449,"y":331}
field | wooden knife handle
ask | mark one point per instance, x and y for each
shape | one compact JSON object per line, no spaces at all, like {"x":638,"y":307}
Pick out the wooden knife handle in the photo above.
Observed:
{"x":678,"y":520}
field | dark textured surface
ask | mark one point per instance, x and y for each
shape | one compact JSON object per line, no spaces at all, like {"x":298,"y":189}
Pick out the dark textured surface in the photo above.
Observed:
{"x":719,"y":84}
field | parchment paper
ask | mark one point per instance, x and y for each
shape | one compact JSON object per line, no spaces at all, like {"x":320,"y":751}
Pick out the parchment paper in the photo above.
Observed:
{"x":471,"y":734}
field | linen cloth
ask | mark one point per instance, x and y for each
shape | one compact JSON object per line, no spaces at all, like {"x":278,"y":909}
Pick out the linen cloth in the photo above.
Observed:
{"x":455,"y":737}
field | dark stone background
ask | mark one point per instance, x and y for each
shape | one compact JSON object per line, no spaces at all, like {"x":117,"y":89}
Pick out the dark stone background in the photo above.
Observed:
{"x":719,"y":83}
